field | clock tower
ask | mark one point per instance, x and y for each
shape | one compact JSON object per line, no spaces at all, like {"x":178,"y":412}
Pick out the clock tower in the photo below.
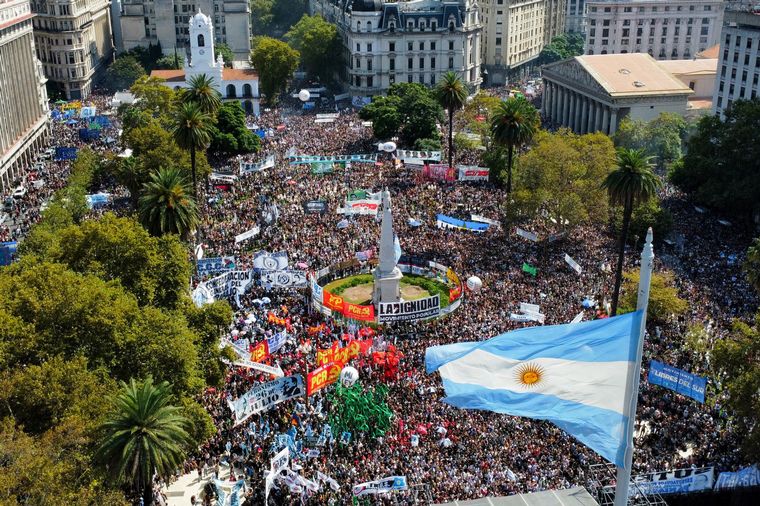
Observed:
{"x":201,"y":42}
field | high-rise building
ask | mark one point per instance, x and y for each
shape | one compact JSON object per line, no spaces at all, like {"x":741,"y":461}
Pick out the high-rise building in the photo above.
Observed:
{"x":415,"y":41}
{"x":23,"y":100}
{"x":739,"y":58}
{"x":167,"y":23}
{"x":575,"y":16}
{"x":515,"y":32}
{"x":74,"y":42}
{"x":673,"y":30}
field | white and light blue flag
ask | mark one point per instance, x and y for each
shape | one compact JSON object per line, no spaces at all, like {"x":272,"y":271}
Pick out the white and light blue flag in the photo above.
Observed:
{"x":573,"y":375}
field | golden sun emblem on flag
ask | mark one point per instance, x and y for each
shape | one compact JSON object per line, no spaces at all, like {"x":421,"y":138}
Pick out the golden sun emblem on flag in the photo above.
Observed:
{"x":529,"y":375}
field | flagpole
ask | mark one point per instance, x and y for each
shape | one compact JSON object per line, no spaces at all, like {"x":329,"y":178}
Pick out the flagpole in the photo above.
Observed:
{"x":645,"y":277}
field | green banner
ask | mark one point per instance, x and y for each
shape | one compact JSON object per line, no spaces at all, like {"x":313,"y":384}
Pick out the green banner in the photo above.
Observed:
{"x":357,"y":195}
{"x":530,"y":269}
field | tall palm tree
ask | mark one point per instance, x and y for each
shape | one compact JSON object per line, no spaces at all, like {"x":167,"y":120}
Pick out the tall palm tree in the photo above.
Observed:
{"x":631,"y":183}
{"x":514,"y":123}
{"x":165,"y":205}
{"x":201,"y":91}
{"x":143,"y":436}
{"x":451,"y":94}
{"x":192,"y":131}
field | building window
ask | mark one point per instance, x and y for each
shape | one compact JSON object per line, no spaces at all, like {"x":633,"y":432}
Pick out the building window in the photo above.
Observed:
{"x":369,"y":81}
{"x":392,"y":64}
{"x":369,"y":47}
{"x":451,"y":45}
{"x":409,"y":63}
{"x":422,"y":63}
{"x":392,"y":47}
{"x":409,"y":46}
{"x":451,"y":62}
{"x":432,"y":46}
{"x":498,"y":39}
{"x":432,"y":63}
{"x":358,"y":47}
{"x":422,"y":45}
{"x":369,"y":64}
{"x":201,"y":40}
{"x":432,"y":79}
{"x":358,"y":63}
{"x":409,"y":78}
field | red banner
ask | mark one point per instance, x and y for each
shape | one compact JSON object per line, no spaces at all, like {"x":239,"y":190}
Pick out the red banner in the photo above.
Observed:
{"x":330,"y":301}
{"x":273,"y":318}
{"x":455,"y":293}
{"x":342,"y":355}
{"x":260,"y":352}
{"x":358,"y":312}
{"x":323,"y":376}
{"x":438,"y":172}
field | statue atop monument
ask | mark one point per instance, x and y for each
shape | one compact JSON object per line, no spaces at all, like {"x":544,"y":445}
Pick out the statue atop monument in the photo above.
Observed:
{"x":387,"y":274}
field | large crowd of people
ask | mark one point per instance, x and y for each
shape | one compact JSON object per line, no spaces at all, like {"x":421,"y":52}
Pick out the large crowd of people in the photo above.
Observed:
{"x":444,"y":452}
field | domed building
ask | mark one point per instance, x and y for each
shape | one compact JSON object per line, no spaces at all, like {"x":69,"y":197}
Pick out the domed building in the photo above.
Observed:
{"x":231,"y":83}
{"x":415,"y":41}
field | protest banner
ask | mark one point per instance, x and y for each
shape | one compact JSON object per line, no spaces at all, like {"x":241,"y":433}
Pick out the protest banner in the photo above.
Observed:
{"x":745,"y":477}
{"x":278,"y":463}
{"x":417,"y":157}
{"x":361,"y":207}
{"x":315,"y":207}
{"x":250,"y":167}
{"x":277,"y":341}
{"x":264,"y":396}
{"x":359,"y":312}
{"x":326,"y":479}
{"x":443,"y":221}
{"x":333,"y":302}
{"x":323,"y":376}
{"x":419,"y":309}
{"x":572,"y":263}
{"x":260,"y":351}
{"x":247,"y":235}
{"x":265,"y":261}
{"x":526,"y":235}
{"x":275,"y":371}
{"x":213,"y":265}
{"x":309,"y":159}
{"x":438,"y":172}
{"x":284,"y":279}
{"x":472,"y":173}
{"x":675,"y":482}
{"x":381,"y":486}
{"x":65,"y":153}
{"x":677,"y":380}
{"x":483,"y":219}
{"x":529,"y":308}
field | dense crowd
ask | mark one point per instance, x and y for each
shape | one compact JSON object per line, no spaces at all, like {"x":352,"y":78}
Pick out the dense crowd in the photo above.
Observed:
{"x":456,"y":454}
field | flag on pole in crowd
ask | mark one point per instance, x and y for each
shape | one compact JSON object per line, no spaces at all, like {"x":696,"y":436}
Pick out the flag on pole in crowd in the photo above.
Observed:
{"x":526,"y":267}
{"x":572,"y":375}
{"x":396,"y":248}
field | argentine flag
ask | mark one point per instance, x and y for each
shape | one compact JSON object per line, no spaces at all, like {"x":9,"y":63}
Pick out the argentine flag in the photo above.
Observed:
{"x":573,"y":375}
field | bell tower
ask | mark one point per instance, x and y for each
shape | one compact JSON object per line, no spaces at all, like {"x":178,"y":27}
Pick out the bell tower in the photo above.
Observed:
{"x":201,"y":42}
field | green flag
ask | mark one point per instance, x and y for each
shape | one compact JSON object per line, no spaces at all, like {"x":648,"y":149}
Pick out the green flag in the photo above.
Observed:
{"x":529,"y":269}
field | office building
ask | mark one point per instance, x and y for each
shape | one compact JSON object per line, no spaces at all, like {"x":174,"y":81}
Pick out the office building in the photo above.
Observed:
{"x":23,"y":100}
{"x":167,"y":23}
{"x":575,"y":16}
{"x":739,"y":59}
{"x":74,"y":43}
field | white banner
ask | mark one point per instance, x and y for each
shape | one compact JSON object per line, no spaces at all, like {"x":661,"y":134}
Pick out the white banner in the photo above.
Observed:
{"x":247,"y":235}
{"x":268,"y":369}
{"x":326,"y":479}
{"x":417,"y":157}
{"x":265,"y":396}
{"x":265,"y":261}
{"x":529,"y":308}
{"x":382,"y":486}
{"x":472,"y":173}
{"x":483,"y":219}
{"x":278,"y":463}
{"x":573,"y":264}
{"x":224,"y":178}
{"x":249,"y":167}
{"x":527,"y":235}
{"x":225,"y":285}
{"x":528,"y":317}
{"x":410,"y":310}
{"x":363,"y":206}
{"x":283,"y":279}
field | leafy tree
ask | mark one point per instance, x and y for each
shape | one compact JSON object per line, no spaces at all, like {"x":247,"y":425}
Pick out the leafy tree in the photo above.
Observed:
{"x":153,"y":97}
{"x":123,"y":72}
{"x":171,"y":62}
{"x":478,"y":111}
{"x":287,"y":12}
{"x":560,"y":176}
{"x":630,"y":183}
{"x":427,"y":145}
{"x":223,"y":49}
{"x":409,"y":110}
{"x":262,"y":18}
{"x":451,"y":94}
{"x":154,"y":269}
{"x":231,"y":135}
{"x":385,"y":116}
{"x":513,"y":125}
{"x":192,"y":132}
{"x":201,"y":92}
{"x":146,"y":56}
{"x":661,"y":138}
{"x":166,"y":206}
{"x":144,"y":435}
{"x":722,"y":162}
{"x":752,"y":264}
{"x":645,"y":215}
{"x":319,"y":45}
{"x":562,"y":47}
{"x":736,"y":361}
{"x":664,"y":301}
{"x":276,"y":62}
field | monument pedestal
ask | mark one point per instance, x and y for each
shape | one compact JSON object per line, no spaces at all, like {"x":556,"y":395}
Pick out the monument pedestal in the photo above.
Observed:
{"x":387,"y":288}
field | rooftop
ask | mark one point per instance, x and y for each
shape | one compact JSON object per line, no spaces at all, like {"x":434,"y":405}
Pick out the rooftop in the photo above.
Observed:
{"x":710,"y":52}
{"x":169,"y":75}
{"x":227,"y":75}
{"x":631,"y":74}
{"x":698,"y":67}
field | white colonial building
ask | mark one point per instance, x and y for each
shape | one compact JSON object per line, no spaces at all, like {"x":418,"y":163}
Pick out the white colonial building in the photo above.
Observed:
{"x":515,"y":32}
{"x":672,"y":30}
{"x":167,"y":23}
{"x":23,"y":101}
{"x":593,"y":93}
{"x":233,"y":84}
{"x":74,"y":42}
{"x":415,"y":41}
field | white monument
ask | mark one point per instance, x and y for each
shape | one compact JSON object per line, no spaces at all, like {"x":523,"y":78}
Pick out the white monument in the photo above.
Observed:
{"x":387,"y":274}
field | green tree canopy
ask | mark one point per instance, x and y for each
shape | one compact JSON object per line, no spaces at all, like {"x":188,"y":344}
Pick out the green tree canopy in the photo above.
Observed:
{"x":752,"y":264}
{"x":230,"y":134}
{"x":123,"y":72}
{"x":410,"y":111}
{"x":276,"y":62}
{"x":451,"y":94}
{"x":660,"y":138}
{"x":562,"y":47}
{"x":722,"y":165}
{"x":645,"y":215}
{"x":664,"y":301}
{"x":560,"y":176}
{"x":319,"y":45}
{"x":220,"y":48}
{"x":171,"y":62}
{"x":167,"y":205}
{"x":513,"y":125}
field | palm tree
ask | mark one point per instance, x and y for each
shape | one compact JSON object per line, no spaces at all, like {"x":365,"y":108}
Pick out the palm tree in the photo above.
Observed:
{"x":631,"y":183}
{"x":201,"y":91}
{"x":451,"y":94}
{"x":165,"y":205}
{"x":192,"y":131}
{"x":143,"y":436}
{"x":513,"y":125}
